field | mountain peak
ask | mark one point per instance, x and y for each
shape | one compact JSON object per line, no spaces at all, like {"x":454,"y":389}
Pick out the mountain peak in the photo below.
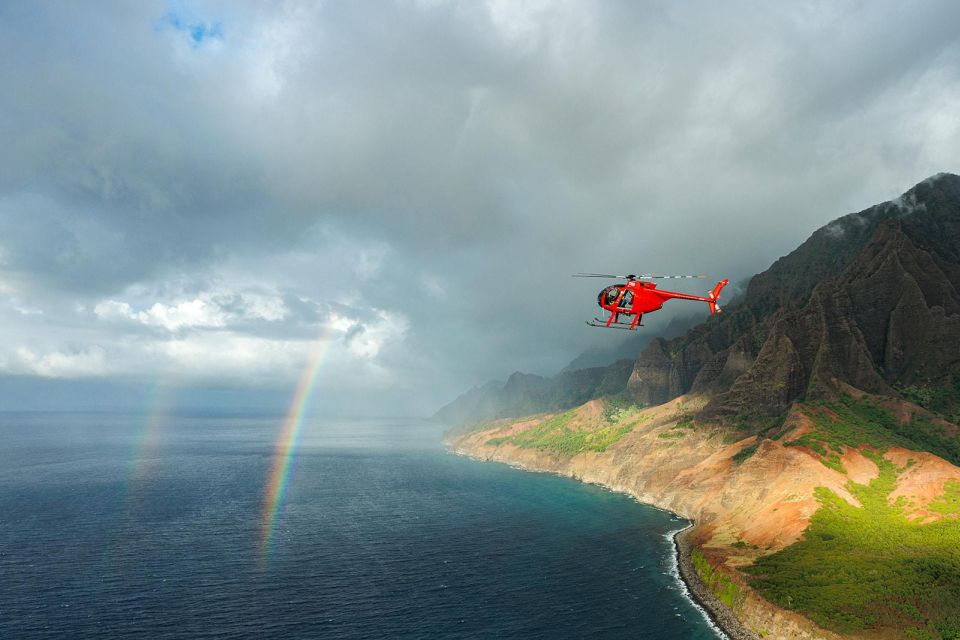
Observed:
{"x":943,"y":176}
{"x":915,"y":199}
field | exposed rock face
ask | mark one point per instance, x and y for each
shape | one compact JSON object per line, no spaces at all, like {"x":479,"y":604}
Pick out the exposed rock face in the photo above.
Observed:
{"x":872,"y":300}
{"x":654,"y":379}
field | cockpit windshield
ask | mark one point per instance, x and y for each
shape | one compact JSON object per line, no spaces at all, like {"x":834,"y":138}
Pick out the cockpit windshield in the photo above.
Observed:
{"x":608,"y":297}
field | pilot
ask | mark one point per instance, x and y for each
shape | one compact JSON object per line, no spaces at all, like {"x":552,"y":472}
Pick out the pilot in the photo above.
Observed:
{"x":612,"y":294}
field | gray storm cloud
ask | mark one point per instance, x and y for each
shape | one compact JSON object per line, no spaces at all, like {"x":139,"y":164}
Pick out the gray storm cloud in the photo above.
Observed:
{"x":202,"y":191}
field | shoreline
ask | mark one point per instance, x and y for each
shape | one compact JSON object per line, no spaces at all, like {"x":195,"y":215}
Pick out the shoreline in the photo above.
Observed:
{"x":719,"y":616}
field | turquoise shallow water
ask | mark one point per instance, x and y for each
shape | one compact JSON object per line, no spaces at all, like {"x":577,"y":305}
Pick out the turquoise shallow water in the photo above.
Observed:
{"x":111,"y":528}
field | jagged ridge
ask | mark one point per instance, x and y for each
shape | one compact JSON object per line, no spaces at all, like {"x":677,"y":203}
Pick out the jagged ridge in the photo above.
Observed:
{"x":870,"y":299}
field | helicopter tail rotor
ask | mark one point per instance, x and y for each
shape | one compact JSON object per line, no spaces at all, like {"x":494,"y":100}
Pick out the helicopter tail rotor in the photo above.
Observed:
{"x":715,"y":296}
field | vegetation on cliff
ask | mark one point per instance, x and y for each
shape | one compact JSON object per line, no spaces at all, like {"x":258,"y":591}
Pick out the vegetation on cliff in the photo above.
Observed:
{"x":871,"y":567}
{"x":556,"y":434}
{"x":855,"y":422}
{"x":939,"y":393}
{"x":717,"y":582}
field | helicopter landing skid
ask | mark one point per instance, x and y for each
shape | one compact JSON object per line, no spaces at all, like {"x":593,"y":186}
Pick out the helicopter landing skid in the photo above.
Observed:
{"x":602,"y":324}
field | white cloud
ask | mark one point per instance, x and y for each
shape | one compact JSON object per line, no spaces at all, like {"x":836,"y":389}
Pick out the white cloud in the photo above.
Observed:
{"x":221,"y":335}
{"x":114,"y":309}
{"x":216,"y":308}
{"x":191,"y":313}
{"x":90,"y":361}
{"x":212,"y":357}
{"x":194,"y":313}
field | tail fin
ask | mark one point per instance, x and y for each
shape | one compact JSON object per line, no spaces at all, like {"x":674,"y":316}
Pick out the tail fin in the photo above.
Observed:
{"x":715,"y":295}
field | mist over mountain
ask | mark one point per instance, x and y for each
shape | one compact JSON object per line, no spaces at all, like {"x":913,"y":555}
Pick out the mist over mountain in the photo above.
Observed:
{"x":596,"y":372}
{"x":633,"y":345}
{"x":525,"y":394}
{"x":867,"y":299}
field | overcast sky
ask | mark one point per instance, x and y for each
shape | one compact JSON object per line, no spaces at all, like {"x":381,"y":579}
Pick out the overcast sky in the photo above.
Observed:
{"x":194,"y":195}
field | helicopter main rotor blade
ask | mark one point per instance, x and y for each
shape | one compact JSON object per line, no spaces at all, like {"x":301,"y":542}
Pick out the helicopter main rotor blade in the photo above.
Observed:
{"x":631,"y":276}
{"x":598,"y":275}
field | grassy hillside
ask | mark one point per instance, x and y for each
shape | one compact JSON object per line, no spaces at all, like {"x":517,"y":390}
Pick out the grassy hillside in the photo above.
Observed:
{"x":868,"y":421}
{"x":557,"y":434}
{"x":871,"y":567}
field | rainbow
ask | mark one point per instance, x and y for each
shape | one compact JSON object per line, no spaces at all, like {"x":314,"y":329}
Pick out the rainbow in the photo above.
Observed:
{"x":147,"y":442}
{"x":286,"y":446}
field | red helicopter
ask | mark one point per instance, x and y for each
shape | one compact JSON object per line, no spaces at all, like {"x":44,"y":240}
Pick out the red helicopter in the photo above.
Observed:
{"x":638,"y":297}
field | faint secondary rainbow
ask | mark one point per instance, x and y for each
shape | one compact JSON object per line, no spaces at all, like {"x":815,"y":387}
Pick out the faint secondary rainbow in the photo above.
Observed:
{"x":147,"y":440}
{"x":286,"y":447}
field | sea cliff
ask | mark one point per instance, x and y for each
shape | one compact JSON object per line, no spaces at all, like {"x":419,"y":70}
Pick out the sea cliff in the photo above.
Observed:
{"x":748,"y":498}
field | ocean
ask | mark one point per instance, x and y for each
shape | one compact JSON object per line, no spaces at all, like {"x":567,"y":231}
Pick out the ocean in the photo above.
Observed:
{"x":117,"y":526}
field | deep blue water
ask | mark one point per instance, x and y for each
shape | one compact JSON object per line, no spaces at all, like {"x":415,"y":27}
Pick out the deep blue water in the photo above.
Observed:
{"x":112,"y":529}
